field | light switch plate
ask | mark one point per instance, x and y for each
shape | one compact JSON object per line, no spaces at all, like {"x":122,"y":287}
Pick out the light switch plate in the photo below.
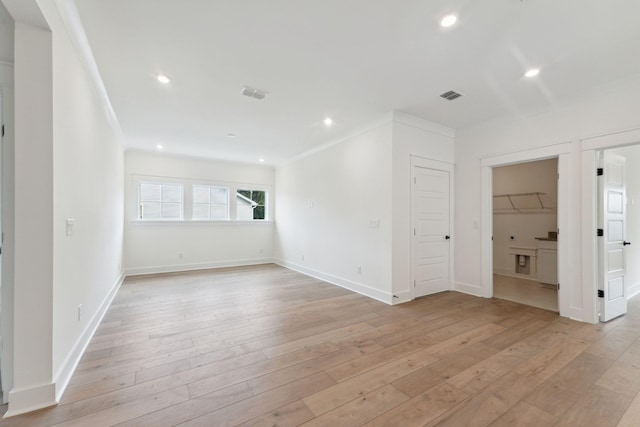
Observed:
{"x":70,"y":224}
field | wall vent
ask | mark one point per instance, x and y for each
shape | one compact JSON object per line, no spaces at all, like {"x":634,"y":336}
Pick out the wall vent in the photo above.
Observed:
{"x":450,"y":95}
{"x":254,"y":93}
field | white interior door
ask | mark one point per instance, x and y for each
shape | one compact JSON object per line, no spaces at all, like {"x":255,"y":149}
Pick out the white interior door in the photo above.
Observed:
{"x":612,"y":201}
{"x":431,"y":233}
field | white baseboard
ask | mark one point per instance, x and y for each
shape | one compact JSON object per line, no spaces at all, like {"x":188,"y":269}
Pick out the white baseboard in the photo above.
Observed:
{"x":633,"y":290}
{"x":338,"y":281}
{"x":63,"y":376}
{"x":402,"y":297}
{"x":137,"y":271}
{"x":467,"y":288}
{"x":31,"y":399}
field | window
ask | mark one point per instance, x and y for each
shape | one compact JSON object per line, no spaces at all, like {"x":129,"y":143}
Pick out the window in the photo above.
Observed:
{"x":210,"y":203}
{"x":251,"y":204}
{"x":158,"y":201}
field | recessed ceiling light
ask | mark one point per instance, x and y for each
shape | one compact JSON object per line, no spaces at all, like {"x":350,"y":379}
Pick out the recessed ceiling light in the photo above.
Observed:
{"x":159,"y":147}
{"x":532,"y":72}
{"x":448,"y":20}
{"x":163,"y":79}
{"x":261,"y":160}
{"x":231,"y":135}
{"x":328,"y":121}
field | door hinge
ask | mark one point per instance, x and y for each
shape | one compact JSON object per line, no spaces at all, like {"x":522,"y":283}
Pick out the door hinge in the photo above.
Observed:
{"x":600,"y":293}
{"x":414,"y":180}
{"x":558,"y":286}
{"x":600,"y":232}
{"x":414,"y":231}
{"x":599,"y":172}
{"x":414,"y":283}
{"x":2,"y":130}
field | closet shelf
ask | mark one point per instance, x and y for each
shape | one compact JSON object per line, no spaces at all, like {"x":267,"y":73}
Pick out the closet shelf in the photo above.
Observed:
{"x":520,"y":203}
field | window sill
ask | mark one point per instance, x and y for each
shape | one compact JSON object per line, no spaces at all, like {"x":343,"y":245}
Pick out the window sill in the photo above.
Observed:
{"x":183,"y":223}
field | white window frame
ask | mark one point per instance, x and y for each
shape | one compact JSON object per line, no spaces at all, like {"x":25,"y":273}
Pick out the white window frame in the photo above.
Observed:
{"x":210,"y":204}
{"x":187,"y":200}
{"x":266,"y":201}
{"x":140,"y":211}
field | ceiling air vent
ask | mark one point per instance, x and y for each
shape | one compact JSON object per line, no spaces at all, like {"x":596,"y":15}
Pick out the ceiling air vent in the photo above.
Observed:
{"x":254,"y":93}
{"x":450,"y":95}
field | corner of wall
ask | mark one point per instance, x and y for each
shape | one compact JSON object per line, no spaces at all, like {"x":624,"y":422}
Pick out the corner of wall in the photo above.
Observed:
{"x":31,"y":399}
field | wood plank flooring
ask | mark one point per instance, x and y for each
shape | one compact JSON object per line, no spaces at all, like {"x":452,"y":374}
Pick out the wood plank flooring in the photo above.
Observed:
{"x":265,"y":346}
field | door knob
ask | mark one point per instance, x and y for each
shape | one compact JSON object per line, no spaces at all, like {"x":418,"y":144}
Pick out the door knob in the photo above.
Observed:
{"x":624,"y":243}
{"x":447,"y":237}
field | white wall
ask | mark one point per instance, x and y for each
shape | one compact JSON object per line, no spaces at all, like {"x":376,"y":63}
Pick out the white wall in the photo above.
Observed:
{"x":6,"y":90}
{"x":327,"y":198}
{"x":603,"y":111}
{"x":324,"y":205}
{"x":33,"y":287}
{"x":6,"y":35}
{"x":68,"y":164}
{"x":152,"y":247}
{"x":540,"y":176}
{"x":88,"y":187}
{"x":632,"y":252}
{"x":412,"y":137}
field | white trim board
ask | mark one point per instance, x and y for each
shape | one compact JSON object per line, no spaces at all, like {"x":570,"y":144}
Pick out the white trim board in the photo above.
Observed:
{"x":177,"y":268}
{"x":64,"y":374}
{"x":343,"y":283}
{"x":562,"y":151}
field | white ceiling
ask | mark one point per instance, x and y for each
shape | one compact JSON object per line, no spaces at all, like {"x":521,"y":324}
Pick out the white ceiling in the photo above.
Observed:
{"x":353,"y":60}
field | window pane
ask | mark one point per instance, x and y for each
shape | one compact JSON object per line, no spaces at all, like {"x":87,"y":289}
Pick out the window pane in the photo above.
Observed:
{"x":171,"y":210}
{"x":258,"y":197}
{"x":219,"y":195}
{"x":171,"y":193}
{"x":200,"y":194}
{"x":150,"y":210}
{"x":150,"y":192}
{"x":201,"y":212}
{"x":245,"y":193}
{"x":258,"y":212}
{"x":218,"y":212}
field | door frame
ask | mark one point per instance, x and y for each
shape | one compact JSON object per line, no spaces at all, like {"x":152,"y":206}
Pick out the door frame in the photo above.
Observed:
{"x":589,"y":152}
{"x":6,"y":286}
{"x":561,"y":151}
{"x":426,"y":163}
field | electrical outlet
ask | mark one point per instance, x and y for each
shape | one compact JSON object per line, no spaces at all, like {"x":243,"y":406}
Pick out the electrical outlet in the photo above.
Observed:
{"x":79,"y":312}
{"x":359,"y":270}
{"x":302,"y":257}
{"x":261,"y":251}
{"x":180,"y":255}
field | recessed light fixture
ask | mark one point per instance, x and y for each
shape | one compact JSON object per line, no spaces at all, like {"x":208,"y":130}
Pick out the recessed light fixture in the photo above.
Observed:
{"x":448,"y":20}
{"x":159,"y":146}
{"x":261,"y":160}
{"x":254,"y":93}
{"x":231,"y":135}
{"x":163,"y":79}
{"x":532,"y":72}
{"x":328,"y":121}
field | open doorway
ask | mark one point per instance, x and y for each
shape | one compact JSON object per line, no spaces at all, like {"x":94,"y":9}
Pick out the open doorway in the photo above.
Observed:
{"x":525,"y":224}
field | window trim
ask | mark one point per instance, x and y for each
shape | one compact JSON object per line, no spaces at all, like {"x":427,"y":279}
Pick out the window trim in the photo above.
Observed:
{"x":139,"y":201}
{"x":187,"y":200}
{"x":228,"y":202}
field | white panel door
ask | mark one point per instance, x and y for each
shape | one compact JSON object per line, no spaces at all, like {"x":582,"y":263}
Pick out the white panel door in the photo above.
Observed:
{"x":431,"y":234}
{"x":613,"y":223}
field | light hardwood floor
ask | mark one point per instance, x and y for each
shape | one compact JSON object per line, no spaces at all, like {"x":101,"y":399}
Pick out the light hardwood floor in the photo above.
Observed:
{"x":528,"y":292}
{"x":265,"y":346}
